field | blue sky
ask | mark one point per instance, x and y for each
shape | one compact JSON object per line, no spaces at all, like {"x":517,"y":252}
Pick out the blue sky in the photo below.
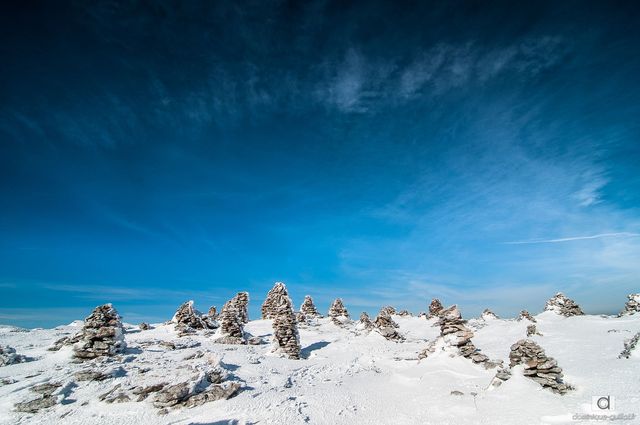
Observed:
{"x":485,"y":153}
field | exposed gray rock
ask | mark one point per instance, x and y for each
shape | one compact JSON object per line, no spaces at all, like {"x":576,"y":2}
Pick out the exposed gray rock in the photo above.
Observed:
{"x":537,"y":366}
{"x":308,"y":308}
{"x":632,"y":306}
{"x":435,"y":308}
{"x":47,"y":398}
{"x":560,"y":304}
{"x":269,"y":309}
{"x":629,"y":346}
{"x":101,"y":335}
{"x":524,"y":314}
{"x":285,"y":327}
{"x":338,"y":312}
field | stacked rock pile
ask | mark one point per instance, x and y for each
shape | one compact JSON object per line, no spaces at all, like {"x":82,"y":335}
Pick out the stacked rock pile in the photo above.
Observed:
{"x":560,"y":304}
{"x":308,"y":308}
{"x":231,"y":320}
{"x":488,"y":315}
{"x":242,"y":303}
{"x":9,"y":356}
{"x":101,"y":335}
{"x":632,"y":306}
{"x":338,"y":312}
{"x":388,"y":310}
{"x":144,"y":326}
{"x":532,"y":330}
{"x":537,"y":366}
{"x":187,"y":320}
{"x":365,"y":322}
{"x":629,"y":346}
{"x":269,"y":306}
{"x":213,"y":312}
{"x":404,"y":313}
{"x":456,"y":333}
{"x":524,"y":314}
{"x":386,"y":327}
{"x":435,"y":308}
{"x":286,"y":338}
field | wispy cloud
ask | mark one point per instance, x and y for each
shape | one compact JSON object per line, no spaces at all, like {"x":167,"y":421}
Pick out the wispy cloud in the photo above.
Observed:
{"x":575,"y":238}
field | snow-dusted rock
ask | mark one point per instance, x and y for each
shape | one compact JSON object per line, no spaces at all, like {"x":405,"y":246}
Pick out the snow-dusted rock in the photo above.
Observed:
{"x":144,"y":326}
{"x":269,"y":306}
{"x":188,"y":320}
{"x":338,"y":312}
{"x":632,"y":306}
{"x":560,"y":304}
{"x":385,"y":326}
{"x":286,"y":339}
{"x":404,"y":313}
{"x":232,"y":320}
{"x":524,"y":314}
{"x":47,"y":398}
{"x":9,"y":356}
{"x":308,"y":308}
{"x":101,"y":335}
{"x":488,"y":315}
{"x":531,"y":330}
{"x":213,"y":312}
{"x":537,"y":366}
{"x":365,"y":323}
{"x":435,"y":308}
{"x":629,"y":346}
{"x":388,"y":310}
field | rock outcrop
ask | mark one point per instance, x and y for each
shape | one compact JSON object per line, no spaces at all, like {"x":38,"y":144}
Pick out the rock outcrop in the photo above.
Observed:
{"x":48,"y":397}
{"x":524,"y":314}
{"x":308,"y":308}
{"x":188,"y":320}
{"x":286,"y":339}
{"x":8,"y":356}
{"x":101,"y":335}
{"x":537,"y":366}
{"x":269,"y":306}
{"x":435,"y":308}
{"x":632,"y":306}
{"x":629,"y":346}
{"x":338,"y":312}
{"x":562,"y":305}
{"x":232,"y":320}
{"x":385,"y":326}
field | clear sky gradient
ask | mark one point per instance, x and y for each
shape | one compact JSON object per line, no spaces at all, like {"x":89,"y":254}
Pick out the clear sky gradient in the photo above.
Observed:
{"x":486,"y":153}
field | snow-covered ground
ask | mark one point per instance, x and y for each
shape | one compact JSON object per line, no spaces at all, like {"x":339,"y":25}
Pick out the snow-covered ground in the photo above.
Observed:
{"x":343,"y":378}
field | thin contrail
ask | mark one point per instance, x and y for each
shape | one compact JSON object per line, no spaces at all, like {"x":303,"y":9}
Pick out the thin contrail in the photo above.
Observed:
{"x":574,"y":238}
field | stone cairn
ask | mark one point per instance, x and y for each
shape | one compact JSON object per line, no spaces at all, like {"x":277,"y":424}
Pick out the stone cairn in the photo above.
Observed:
{"x":562,"y":305}
{"x":488,"y":315}
{"x":338,"y":312}
{"x":308,"y":309}
{"x":537,"y":366}
{"x":269,"y":307}
{"x":388,"y":310}
{"x":188,"y":320}
{"x":213,"y":312}
{"x":404,"y":313}
{"x":386,"y":326}
{"x":365,"y":322}
{"x":532,"y":330}
{"x":435,"y":308}
{"x":629,"y":346}
{"x":101,"y":335}
{"x":524,"y":314}
{"x":455,"y":333}
{"x":285,"y":328}
{"x":632,"y":306}
{"x":144,"y":326}
{"x":232,"y":318}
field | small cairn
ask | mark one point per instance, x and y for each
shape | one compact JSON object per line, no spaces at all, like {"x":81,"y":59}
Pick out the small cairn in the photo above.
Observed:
{"x":101,"y":335}
{"x":301,"y":318}
{"x":404,"y":313}
{"x":562,"y":305}
{"x":285,"y":329}
{"x":338,"y":312}
{"x":386,"y":327}
{"x":308,"y":308}
{"x":213,"y":312}
{"x":231,"y":320}
{"x":632,"y":306}
{"x":454,"y":331}
{"x":269,"y":305}
{"x":532,"y":330}
{"x":144,"y":326}
{"x":365,"y":322}
{"x":488,"y":315}
{"x":388,"y":310}
{"x":435,"y":308}
{"x":524,"y":314}
{"x":188,"y":320}
{"x":537,"y":366}
{"x":629,"y":346}
{"x":9,"y":356}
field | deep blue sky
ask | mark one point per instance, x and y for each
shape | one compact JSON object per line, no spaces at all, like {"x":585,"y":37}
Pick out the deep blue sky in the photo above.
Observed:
{"x":484,"y":153}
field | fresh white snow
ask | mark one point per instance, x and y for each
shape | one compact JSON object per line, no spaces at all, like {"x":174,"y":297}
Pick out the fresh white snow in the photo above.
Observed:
{"x":345,"y":377}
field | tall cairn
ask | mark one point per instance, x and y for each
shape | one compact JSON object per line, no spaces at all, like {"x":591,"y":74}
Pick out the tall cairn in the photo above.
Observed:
{"x":242,"y":301}
{"x":435,"y":308}
{"x":308,"y":309}
{"x":286,"y":338}
{"x":338,"y":312}
{"x":232,"y":320}
{"x":101,"y":335}
{"x":268,"y":309}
